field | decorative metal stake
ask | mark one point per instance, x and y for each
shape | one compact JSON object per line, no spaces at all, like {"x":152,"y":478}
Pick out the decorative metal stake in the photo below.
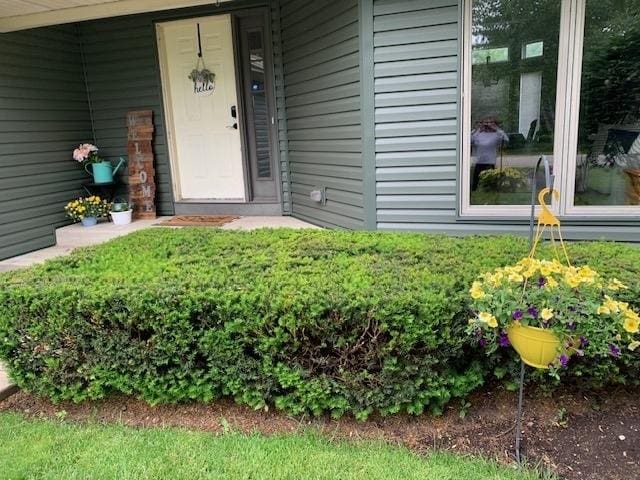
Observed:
{"x":519,"y":417}
{"x":548,"y":177}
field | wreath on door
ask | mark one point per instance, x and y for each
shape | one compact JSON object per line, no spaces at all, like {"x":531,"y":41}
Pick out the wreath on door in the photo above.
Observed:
{"x":203,"y":79}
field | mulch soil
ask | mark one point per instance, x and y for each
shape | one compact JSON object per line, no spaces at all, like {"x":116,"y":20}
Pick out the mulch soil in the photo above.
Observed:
{"x":584,"y":436}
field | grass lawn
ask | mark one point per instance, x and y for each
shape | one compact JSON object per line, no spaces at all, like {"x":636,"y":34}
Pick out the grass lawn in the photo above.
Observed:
{"x":39,"y":449}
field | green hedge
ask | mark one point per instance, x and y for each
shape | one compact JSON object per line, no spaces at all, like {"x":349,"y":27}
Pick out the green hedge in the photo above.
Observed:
{"x":308,"y":321}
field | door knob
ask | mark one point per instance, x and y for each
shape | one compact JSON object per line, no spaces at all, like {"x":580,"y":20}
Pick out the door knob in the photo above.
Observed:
{"x":233,"y":127}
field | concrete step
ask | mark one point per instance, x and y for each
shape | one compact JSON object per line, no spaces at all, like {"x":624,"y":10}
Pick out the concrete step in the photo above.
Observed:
{"x":76,"y":235}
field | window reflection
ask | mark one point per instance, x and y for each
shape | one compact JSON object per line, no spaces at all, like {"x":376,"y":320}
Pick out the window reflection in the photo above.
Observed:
{"x":259,"y":99}
{"x":608,"y":158}
{"x":513,"y":96}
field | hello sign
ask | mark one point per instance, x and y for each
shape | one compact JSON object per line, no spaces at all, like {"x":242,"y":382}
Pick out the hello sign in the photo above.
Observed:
{"x":203,"y":79}
{"x":203,"y":82}
{"x":142,"y":187}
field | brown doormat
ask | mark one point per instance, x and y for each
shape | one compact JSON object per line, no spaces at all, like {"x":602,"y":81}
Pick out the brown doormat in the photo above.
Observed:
{"x":197,"y":221}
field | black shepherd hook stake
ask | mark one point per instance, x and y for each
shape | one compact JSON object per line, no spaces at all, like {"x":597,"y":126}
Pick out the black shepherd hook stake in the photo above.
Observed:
{"x":199,"y":43}
{"x":519,"y":416}
{"x":548,"y":180}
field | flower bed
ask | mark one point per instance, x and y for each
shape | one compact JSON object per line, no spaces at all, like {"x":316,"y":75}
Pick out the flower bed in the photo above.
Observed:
{"x":308,"y":321}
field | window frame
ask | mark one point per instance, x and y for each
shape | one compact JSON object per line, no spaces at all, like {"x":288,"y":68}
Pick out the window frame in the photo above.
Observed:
{"x":567,"y":111}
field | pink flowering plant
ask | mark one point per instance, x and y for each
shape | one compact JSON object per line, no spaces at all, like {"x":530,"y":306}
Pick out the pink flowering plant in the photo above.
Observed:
{"x":575,"y":303}
{"x":86,"y":153}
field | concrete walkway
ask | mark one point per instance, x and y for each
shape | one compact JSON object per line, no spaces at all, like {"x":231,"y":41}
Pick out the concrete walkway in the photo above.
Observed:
{"x":76,"y":235}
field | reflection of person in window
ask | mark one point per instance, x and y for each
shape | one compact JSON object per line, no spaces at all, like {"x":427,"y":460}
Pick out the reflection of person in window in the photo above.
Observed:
{"x":486,"y":138}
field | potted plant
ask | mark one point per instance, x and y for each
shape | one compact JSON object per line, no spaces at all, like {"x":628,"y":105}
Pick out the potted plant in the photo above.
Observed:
{"x":101,"y":170}
{"x":87,"y":210}
{"x":549,"y":311}
{"x":121,"y":212}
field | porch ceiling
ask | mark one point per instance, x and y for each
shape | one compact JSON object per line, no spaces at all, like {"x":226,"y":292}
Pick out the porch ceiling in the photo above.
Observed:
{"x":23,"y":14}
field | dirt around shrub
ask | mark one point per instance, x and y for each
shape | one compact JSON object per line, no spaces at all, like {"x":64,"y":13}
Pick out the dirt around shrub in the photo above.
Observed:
{"x":578,"y":436}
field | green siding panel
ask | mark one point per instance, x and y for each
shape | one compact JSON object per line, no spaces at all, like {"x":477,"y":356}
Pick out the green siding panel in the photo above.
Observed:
{"x":320,"y":93}
{"x":122,"y":74}
{"x":44,"y":114}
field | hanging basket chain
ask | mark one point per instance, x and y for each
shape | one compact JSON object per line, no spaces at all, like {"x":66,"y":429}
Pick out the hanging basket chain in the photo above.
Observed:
{"x":200,"y":74}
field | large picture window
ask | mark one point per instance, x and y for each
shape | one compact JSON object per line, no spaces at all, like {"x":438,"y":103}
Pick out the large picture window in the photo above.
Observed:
{"x":553,"y":78}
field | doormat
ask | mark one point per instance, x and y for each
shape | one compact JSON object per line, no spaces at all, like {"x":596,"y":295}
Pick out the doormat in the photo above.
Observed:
{"x":197,"y":221}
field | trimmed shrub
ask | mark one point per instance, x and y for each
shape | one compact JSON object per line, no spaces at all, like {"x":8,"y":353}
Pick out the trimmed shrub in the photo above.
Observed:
{"x":308,"y":321}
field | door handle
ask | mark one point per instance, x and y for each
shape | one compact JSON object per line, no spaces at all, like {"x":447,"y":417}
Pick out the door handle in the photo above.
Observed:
{"x":232,"y":127}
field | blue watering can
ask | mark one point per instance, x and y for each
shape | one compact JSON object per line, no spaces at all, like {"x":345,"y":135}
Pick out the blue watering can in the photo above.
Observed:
{"x":103,"y":172}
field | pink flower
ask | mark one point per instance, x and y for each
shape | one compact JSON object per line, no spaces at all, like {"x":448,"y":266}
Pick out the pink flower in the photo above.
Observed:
{"x":83,"y":151}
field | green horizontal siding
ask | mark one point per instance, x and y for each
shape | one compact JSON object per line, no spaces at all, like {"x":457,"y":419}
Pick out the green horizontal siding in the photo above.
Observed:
{"x":122,"y":74}
{"x":320,"y":89}
{"x":44,"y":114}
{"x":415,"y":70}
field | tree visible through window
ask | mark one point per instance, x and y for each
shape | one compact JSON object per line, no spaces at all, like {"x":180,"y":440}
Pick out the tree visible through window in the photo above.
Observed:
{"x":513,"y":96}
{"x":515,"y":83}
{"x":608,"y":155}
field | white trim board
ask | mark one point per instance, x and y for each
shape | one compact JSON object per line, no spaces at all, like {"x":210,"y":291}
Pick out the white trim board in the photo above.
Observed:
{"x":110,"y":8}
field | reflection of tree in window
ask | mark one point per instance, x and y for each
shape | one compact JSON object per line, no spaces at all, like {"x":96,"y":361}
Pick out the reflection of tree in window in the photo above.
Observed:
{"x":608,"y":163}
{"x":514,"y":68}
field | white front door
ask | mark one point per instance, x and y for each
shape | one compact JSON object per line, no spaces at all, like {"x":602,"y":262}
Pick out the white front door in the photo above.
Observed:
{"x":204,"y":138}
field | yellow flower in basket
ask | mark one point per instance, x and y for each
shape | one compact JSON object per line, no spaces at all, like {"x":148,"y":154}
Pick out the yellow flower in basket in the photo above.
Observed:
{"x":631,"y":322}
{"x":476,"y":291}
{"x":488,"y":318}
{"x":546,"y":314}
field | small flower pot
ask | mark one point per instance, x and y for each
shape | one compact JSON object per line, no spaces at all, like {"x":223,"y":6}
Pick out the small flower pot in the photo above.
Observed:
{"x":89,"y":221}
{"x":121,"y":218}
{"x":537,"y":347}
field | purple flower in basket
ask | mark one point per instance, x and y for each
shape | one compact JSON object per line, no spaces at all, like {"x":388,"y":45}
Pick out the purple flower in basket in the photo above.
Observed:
{"x":542,"y":282}
{"x":482,"y":342}
{"x":564,"y":360}
{"x":580,"y":353}
{"x":614,"y":350}
{"x":584,"y":342}
{"x":517,"y":315}
{"x":533,"y":311}
{"x":571,"y":326}
{"x":503,"y":340}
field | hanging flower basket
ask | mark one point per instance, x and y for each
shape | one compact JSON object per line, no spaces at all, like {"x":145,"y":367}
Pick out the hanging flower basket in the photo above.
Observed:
{"x":549,"y":310}
{"x":537,"y":347}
